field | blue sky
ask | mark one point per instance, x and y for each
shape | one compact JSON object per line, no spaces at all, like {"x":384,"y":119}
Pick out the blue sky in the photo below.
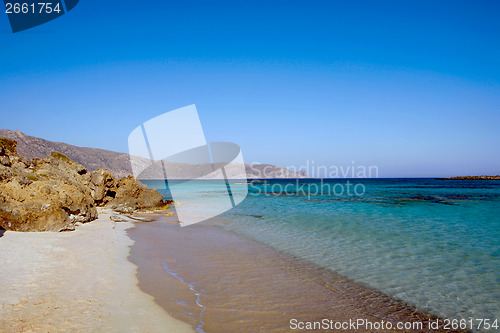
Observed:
{"x":412,"y":87}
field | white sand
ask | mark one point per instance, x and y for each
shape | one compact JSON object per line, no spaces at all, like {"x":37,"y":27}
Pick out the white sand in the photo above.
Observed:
{"x":76,"y":281}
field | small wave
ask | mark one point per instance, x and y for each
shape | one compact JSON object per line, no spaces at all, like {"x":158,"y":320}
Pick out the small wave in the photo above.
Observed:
{"x":199,"y":327}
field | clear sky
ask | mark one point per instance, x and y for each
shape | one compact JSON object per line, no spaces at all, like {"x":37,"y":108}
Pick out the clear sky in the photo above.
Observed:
{"x":412,"y":87}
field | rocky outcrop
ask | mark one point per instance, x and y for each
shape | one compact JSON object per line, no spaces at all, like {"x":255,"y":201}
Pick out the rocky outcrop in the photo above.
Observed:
{"x":55,"y":193}
{"x":42,"y":195}
{"x":124,"y":195}
{"x":91,"y":158}
{"x":497,"y":177}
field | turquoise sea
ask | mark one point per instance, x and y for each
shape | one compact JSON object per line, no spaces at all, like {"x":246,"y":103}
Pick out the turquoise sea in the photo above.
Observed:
{"x":434,"y":244}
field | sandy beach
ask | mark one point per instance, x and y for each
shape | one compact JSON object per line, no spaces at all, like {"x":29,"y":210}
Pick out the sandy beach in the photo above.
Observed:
{"x":76,"y":281}
{"x":199,"y":278}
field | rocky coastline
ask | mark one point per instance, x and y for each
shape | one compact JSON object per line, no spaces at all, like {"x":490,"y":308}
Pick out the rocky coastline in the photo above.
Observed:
{"x":56,"y":193}
{"x":497,"y":177}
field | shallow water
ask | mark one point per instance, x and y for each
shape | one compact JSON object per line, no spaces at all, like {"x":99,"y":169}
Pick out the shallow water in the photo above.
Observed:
{"x":432,"y":243}
{"x":219,"y":281}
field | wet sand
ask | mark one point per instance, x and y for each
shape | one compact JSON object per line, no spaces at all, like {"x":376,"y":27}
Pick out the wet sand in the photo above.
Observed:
{"x":78,"y":281}
{"x":219,"y":281}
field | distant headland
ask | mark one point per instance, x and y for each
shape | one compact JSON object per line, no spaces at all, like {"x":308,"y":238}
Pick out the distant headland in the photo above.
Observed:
{"x":497,"y":177}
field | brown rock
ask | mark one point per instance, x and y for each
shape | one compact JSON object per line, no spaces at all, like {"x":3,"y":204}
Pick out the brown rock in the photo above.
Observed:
{"x":46,"y":195}
{"x":129,"y":194}
{"x":5,"y":160}
{"x":118,"y":218}
{"x":101,"y":180}
{"x":55,"y":193}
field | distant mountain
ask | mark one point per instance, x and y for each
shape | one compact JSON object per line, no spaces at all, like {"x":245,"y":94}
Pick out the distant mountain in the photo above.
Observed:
{"x":118,"y":163}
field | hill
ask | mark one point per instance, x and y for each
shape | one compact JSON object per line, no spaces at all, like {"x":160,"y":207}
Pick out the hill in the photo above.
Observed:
{"x":118,"y":163}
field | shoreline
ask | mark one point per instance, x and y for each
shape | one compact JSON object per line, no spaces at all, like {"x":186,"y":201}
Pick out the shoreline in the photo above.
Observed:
{"x":156,"y":277}
{"x":220,"y":281}
{"x":76,"y":281}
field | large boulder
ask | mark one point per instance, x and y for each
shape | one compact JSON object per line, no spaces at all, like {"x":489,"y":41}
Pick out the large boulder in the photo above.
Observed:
{"x":131,"y":195}
{"x":43,"y":205}
{"x":99,"y":183}
{"x":42,"y":195}
{"x":124,"y":195}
